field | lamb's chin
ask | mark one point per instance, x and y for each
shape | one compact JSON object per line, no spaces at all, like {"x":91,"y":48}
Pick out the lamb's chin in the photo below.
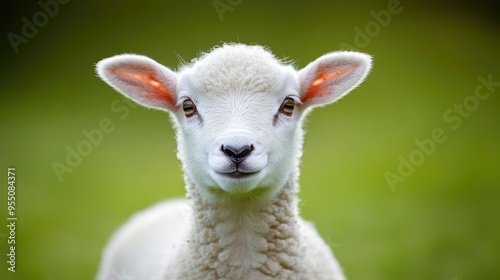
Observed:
{"x":237,"y":182}
{"x":236,"y":185}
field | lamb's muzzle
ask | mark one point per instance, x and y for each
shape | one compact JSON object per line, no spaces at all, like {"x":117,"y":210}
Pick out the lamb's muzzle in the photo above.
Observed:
{"x":237,"y":154}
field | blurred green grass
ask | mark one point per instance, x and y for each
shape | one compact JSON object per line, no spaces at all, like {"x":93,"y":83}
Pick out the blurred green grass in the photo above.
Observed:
{"x":441,"y":223}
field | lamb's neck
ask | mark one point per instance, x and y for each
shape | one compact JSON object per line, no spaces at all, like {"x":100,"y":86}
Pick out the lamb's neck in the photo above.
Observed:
{"x":246,"y":238}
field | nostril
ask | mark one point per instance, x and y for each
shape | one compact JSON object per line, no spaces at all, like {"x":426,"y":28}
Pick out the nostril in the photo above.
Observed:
{"x":228,"y":150}
{"x":245,"y":151}
{"x":237,"y":154}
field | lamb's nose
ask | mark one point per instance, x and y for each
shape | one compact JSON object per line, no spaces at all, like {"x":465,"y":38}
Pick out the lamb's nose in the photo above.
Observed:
{"x":237,"y":154}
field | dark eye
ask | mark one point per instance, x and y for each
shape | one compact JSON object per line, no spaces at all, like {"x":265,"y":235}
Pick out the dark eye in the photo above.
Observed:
{"x":287,"y":106}
{"x":188,"y":107}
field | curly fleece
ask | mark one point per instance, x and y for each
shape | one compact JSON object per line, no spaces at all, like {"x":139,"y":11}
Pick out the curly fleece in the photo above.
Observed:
{"x":250,"y":239}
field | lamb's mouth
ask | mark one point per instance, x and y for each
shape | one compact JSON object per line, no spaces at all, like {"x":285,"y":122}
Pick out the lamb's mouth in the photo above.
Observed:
{"x":239,"y":174}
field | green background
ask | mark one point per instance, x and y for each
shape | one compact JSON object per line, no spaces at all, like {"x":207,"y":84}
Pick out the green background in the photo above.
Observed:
{"x":441,"y":222}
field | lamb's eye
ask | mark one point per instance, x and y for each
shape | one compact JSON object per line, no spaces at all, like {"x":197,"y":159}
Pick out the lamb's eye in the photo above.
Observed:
{"x":188,"y":107}
{"x":287,"y":106}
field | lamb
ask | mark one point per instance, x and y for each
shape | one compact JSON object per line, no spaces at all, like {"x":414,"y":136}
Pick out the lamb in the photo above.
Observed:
{"x":238,"y":113}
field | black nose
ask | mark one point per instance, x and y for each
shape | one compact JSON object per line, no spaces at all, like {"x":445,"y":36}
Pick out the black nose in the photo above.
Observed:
{"x":237,"y":154}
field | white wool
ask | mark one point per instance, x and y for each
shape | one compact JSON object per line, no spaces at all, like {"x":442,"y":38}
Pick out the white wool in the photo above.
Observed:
{"x":238,"y":114}
{"x":233,"y":68}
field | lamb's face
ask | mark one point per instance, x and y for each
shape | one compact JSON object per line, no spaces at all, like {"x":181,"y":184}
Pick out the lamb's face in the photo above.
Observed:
{"x":238,"y":109}
{"x":241,"y":135}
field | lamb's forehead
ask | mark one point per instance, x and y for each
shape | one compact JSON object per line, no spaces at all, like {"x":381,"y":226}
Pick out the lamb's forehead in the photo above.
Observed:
{"x":238,"y":68}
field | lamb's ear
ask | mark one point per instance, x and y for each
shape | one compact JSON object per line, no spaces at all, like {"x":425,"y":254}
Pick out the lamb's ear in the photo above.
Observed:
{"x":141,"y":79}
{"x":332,"y":76}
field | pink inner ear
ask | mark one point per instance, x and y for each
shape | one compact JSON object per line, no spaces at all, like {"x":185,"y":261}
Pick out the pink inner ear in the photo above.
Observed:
{"x":159,"y":91}
{"x":315,"y":90}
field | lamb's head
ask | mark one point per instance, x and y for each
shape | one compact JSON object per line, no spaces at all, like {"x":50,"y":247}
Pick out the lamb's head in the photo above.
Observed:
{"x":237,"y":110}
